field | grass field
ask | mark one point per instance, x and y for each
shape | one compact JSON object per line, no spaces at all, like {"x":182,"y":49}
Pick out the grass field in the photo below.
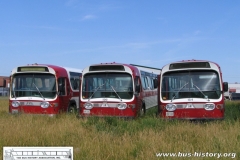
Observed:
{"x":112,"y":138}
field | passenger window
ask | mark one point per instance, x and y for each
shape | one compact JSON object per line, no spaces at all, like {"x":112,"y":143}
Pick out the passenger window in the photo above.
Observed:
{"x":152,"y":84}
{"x":137,"y":84}
{"x":62,"y":86}
{"x":74,"y":80}
{"x":147,"y":83}
{"x":143,"y":83}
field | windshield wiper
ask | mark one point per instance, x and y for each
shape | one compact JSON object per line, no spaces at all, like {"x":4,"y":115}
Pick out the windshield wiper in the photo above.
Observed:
{"x":96,"y":91}
{"x":116,"y":93}
{"x":201,"y":92}
{"x":39,"y":91}
{"x":178,"y":91}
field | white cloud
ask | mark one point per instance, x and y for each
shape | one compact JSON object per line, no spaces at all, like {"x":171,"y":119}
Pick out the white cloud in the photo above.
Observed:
{"x":87,"y":17}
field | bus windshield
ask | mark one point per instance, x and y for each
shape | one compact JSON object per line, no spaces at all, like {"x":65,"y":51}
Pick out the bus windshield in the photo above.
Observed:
{"x":190,"y":84}
{"x":107,"y":85}
{"x":33,"y":85}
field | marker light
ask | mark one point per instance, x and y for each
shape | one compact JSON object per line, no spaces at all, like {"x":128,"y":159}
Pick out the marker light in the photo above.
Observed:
{"x":219,"y":106}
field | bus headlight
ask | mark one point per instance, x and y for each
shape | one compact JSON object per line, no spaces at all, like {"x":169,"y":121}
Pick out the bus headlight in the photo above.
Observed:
{"x":88,"y":105}
{"x":15,"y":103}
{"x":209,"y":106}
{"x":171,"y":107}
{"x":121,"y":105}
{"x":44,"y":104}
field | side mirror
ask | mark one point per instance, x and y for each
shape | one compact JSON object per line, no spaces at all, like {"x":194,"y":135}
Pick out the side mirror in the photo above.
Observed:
{"x":137,"y":88}
{"x":225,"y":86}
{"x":155,"y":83}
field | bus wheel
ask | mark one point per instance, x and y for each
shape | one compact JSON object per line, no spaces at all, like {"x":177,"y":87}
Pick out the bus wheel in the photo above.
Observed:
{"x":72,"y":109}
{"x":142,"y":110}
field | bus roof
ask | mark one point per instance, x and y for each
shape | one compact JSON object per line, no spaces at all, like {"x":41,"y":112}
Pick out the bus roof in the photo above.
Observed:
{"x":191,"y":64}
{"x":54,"y":67}
{"x":117,"y":67}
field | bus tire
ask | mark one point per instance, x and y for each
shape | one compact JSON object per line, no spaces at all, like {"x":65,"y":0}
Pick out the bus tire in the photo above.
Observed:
{"x":72,"y":109}
{"x":142,"y":110}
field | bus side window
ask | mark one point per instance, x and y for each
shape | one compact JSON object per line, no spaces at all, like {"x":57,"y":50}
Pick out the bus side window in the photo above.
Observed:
{"x":61,"y":86}
{"x":143,"y":83}
{"x":137,"y":84}
{"x":146,"y":82}
{"x":150,"y":83}
{"x":74,"y":80}
{"x":75,"y":84}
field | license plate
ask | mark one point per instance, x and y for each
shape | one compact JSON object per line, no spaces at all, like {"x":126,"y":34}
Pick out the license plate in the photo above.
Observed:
{"x":14,"y":111}
{"x":85,"y":111}
{"x":169,"y":114}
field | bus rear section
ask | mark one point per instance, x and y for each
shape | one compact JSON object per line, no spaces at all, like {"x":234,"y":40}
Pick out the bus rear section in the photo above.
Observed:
{"x":191,"y":90}
{"x":40,"y":89}
{"x":111,"y":89}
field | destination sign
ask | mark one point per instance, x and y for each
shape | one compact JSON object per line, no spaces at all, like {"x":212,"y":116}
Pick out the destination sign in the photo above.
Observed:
{"x":32,"y":69}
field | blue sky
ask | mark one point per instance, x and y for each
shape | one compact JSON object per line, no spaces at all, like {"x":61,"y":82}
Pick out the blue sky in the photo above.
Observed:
{"x":78,"y":33}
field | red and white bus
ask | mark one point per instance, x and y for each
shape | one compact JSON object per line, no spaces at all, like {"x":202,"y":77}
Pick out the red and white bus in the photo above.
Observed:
{"x":119,"y":90}
{"x":191,"y":89}
{"x":44,"y":89}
